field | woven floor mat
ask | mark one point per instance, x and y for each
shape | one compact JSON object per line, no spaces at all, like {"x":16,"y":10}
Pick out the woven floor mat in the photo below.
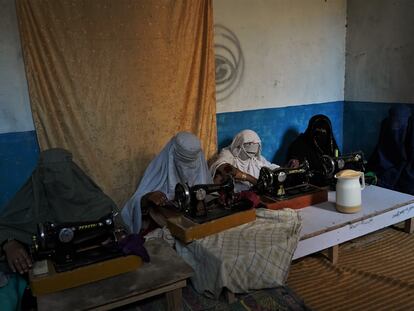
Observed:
{"x":375,"y":272}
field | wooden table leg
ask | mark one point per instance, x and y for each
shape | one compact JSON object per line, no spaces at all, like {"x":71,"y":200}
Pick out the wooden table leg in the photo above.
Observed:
{"x":333,"y":254}
{"x":409,"y":225}
{"x":174,"y":300}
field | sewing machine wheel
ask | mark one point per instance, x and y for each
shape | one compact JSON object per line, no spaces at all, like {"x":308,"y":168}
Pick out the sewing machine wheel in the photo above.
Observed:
{"x":265,"y":180}
{"x":328,"y":165}
{"x":182,"y":196}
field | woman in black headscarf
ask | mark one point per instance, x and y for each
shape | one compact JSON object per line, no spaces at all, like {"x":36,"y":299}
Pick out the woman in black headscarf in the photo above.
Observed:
{"x":318,"y":140}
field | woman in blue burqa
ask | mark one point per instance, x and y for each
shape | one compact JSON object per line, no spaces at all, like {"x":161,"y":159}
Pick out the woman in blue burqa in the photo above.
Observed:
{"x":393,"y":157}
{"x":180,"y":161}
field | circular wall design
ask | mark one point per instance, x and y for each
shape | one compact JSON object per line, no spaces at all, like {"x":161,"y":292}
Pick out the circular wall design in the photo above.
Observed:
{"x":229,"y":62}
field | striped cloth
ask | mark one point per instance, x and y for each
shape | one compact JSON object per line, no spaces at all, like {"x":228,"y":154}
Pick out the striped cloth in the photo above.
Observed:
{"x":248,"y":257}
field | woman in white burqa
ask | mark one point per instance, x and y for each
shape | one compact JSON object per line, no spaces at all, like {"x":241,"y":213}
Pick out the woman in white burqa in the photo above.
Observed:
{"x":242,"y":159}
{"x":181,"y":160}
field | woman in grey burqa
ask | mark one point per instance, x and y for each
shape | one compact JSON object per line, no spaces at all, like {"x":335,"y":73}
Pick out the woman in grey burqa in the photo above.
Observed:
{"x":180,"y":161}
{"x":57,"y":191}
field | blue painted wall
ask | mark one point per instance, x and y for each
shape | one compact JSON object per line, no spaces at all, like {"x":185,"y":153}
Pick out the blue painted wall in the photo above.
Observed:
{"x":18,"y":157}
{"x":278,"y":127}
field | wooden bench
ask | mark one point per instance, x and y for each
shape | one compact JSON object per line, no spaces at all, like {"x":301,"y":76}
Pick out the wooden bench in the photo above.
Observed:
{"x":166,"y":273}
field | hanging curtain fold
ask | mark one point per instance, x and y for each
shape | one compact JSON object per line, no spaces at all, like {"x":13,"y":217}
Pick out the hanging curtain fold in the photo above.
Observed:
{"x":112,"y":81}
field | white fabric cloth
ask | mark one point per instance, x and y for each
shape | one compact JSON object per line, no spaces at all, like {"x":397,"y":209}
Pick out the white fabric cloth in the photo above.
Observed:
{"x":236,"y":155}
{"x":161,"y":233}
{"x":181,"y":160}
{"x":249,"y":257}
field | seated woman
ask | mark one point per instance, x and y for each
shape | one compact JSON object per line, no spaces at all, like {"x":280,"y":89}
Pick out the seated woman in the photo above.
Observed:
{"x":181,"y":160}
{"x":242,"y":159}
{"x":316,"y":141}
{"x":57,"y":191}
{"x":392,"y":159}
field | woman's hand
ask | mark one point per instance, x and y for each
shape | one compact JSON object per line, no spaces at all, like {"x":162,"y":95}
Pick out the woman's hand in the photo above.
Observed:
{"x":152,"y":199}
{"x":17,"y":256}
{"x":239,"y":175}
{"x":227,"y":169}
{"x":157,"y":198}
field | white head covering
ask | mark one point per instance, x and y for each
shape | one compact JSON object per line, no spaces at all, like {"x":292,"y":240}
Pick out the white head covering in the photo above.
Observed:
{"x":236,"y":155}
{"x":181,"y":160}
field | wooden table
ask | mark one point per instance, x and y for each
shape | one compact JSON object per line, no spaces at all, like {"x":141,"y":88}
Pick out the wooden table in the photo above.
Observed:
{"x":324,"y":227}
{"x":166,"y":273}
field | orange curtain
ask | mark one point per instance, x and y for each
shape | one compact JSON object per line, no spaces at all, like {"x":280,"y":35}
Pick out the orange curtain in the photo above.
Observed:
{"x":113,"y":81}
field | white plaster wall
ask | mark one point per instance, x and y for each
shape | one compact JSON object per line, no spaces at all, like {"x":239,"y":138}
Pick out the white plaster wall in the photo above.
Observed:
{"x":294,"y":51}
{"x":380,"y":51}
{"x":15,"y":113}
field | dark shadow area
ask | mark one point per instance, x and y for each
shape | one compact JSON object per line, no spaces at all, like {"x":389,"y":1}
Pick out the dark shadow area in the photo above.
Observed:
{"x":280,"y":157}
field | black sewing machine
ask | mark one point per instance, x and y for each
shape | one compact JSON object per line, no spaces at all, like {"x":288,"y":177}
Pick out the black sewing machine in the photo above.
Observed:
{"x":205,"y":202}
{"x":72,"y":245}
{"x":282,"y":183}
{"x":332,"y":165}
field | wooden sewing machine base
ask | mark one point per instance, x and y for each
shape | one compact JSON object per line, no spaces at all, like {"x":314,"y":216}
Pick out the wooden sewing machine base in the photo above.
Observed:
{"x":314,"y":196}
{"x":49,"y":281}
{"x":187,"y":230}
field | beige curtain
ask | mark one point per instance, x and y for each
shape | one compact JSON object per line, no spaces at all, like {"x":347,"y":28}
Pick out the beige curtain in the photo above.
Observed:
{"x":113,"y":81}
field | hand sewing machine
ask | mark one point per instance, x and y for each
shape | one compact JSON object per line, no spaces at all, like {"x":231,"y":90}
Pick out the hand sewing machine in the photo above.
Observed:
{"x":201,"y":203}
{"x":274,"y":181}
{"x":208,"y":209}
{"x":287,"y":186}
{"x":71,"y":245}
{"x":332,"y":165}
